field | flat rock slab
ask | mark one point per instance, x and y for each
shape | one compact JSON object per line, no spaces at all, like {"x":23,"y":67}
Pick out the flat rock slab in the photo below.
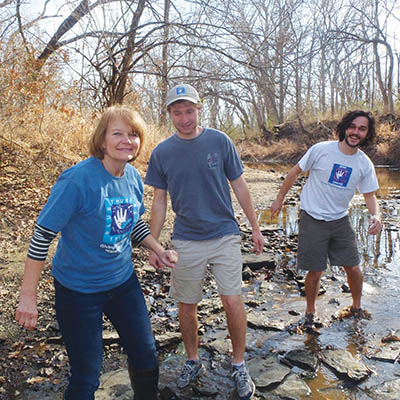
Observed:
{"x":167,"y":339}
{"x":264,"y":260}
{"x":387,"y":391}
{"x":260,"y":320}
{"x":389,"y":353}
{"x":115,"y":385}
{"x":292,"y":388}
{"x":345,"y":365}
{"x":302,"y":358}
{"x":268,"y":372}
{"x":215,"y":383}
{"x":219,"y":345}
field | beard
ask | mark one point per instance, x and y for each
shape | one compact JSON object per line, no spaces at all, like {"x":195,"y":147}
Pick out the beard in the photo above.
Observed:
{"x":360,"y":143}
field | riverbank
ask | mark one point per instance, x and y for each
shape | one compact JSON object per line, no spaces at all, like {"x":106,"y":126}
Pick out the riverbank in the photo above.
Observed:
{"x":286,"y":143}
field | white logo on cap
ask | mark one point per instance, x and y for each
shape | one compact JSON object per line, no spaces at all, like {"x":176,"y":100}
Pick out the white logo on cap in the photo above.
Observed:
{"x":180,"y":90}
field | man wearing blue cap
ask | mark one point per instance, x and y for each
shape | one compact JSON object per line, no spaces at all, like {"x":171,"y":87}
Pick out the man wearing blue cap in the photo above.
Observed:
{"x":194,"y":166}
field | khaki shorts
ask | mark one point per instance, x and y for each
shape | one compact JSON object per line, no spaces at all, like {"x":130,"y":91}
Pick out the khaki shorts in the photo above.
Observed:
{"x":224,"y":257}
{"x":320,"y":241}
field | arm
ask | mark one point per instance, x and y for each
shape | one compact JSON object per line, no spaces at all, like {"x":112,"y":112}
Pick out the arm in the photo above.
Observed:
{"x":242,"y":193}
{"x":27,"y":314}
{"x":165,"y":257}
{"x":157,"y":219}
{"x":158,"y":211}
{"x":291,"y":177}
{"x":375,"y":224}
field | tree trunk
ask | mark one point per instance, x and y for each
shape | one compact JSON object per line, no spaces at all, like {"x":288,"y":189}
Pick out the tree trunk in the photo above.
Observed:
{"x":164,"y":68}
{"x":53,"y":44}
{"x":130,"y":50}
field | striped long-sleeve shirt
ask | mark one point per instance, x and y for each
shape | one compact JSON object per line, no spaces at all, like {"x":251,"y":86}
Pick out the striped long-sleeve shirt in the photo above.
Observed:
{"x":42,"y":238}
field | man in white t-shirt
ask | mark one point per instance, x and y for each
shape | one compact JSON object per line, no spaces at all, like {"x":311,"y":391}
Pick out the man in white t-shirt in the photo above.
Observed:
{"x":336,"y":170}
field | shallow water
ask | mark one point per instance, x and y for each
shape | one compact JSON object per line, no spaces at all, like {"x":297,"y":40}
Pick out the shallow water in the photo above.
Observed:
{"x":380,"y":264}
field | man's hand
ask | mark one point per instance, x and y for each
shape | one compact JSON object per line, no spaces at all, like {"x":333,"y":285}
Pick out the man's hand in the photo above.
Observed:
{"x":258,"y":240}
{"x":375,"y":225}
{"x":167,"y":258}
{"x":276,"y":208}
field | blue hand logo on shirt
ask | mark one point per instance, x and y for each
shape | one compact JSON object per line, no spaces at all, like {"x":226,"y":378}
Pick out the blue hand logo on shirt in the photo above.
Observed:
{"x":340,"y":175}
{"x":121,"y":216}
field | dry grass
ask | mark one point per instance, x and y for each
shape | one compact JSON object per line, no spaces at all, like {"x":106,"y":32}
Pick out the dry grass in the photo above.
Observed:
{"x":284,"y":150}
{"x":38,"y":116}
{"x":387,"y":149}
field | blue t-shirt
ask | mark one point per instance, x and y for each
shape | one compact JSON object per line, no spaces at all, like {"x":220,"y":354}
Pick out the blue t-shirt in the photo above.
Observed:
{"x":195,"y":172}
{"x":95,"y":213}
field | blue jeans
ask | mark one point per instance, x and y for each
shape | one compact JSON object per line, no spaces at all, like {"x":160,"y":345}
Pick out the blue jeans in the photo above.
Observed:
{"x":80,"y":318}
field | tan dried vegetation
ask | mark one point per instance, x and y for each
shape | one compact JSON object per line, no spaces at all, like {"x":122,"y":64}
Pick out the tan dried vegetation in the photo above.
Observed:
{"x":41,"y":134}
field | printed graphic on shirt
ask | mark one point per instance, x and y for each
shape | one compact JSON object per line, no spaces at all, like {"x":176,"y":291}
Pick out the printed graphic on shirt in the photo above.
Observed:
{"x":340,"y":175}
{"x":212,"y":160}
{"x":121,"y":215}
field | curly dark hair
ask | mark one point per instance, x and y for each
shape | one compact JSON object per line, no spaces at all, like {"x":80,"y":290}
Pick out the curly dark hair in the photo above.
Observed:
{"x":349,"y":117}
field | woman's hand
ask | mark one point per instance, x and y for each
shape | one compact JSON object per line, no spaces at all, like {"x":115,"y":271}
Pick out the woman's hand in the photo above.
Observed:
{"x":168,"y":258}
{"x":27,"y":314}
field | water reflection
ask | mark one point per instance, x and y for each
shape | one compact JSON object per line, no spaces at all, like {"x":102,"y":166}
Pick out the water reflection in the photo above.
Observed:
{"x":389,"y":181}
{"x":377,"y":251}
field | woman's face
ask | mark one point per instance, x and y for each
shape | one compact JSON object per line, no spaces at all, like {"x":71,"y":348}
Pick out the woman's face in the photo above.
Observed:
{"x":121,"y":142}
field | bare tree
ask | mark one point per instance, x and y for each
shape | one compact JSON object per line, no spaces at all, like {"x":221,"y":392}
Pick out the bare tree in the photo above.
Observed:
{"x":256,"y":63}
{"x":364,"y":28}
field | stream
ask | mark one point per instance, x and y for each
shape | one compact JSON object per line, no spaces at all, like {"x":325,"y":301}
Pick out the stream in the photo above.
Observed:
{"x":381,"y":292}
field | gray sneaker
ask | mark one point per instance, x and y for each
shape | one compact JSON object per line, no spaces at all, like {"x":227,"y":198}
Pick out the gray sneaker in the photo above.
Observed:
{"x":244,"y":384}
{"x":191,"y":370}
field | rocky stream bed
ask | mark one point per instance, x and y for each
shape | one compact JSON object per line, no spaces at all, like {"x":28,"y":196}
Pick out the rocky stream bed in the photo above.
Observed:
{"x":345,"y":359}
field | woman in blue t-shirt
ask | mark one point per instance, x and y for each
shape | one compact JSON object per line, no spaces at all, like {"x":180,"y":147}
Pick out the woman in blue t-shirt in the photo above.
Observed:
{"x":97,"y":205}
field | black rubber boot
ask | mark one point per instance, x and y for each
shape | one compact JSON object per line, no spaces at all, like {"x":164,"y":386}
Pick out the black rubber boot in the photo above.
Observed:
{"x":144,"y":383}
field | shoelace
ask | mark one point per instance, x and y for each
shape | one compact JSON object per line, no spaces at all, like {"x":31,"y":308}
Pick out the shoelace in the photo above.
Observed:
{"x":240,"y":376}
{"x":187,"y":370}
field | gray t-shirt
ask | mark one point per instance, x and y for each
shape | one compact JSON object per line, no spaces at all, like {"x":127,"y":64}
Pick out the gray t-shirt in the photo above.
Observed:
{"x":333,"y":180}
{"x":195,"y":172}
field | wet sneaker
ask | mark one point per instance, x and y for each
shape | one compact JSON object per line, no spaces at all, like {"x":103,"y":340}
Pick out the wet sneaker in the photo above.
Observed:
{"x":191,"y":370}
{"x":244,"y":384}
{"x":359,"y":313}
{"x":309,"y":324}
{"x":309,"y":321}
{"x":356,"y":313}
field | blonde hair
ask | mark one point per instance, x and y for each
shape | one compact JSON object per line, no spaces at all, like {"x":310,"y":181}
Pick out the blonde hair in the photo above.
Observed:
{"x":128,"y":115}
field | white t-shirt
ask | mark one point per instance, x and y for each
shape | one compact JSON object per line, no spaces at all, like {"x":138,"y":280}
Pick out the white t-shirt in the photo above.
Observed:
{"x":333,"y":180}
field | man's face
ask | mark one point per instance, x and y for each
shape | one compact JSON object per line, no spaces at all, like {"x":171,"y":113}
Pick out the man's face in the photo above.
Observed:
{"x":357,"y":131}
{"x":185,"y":117}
